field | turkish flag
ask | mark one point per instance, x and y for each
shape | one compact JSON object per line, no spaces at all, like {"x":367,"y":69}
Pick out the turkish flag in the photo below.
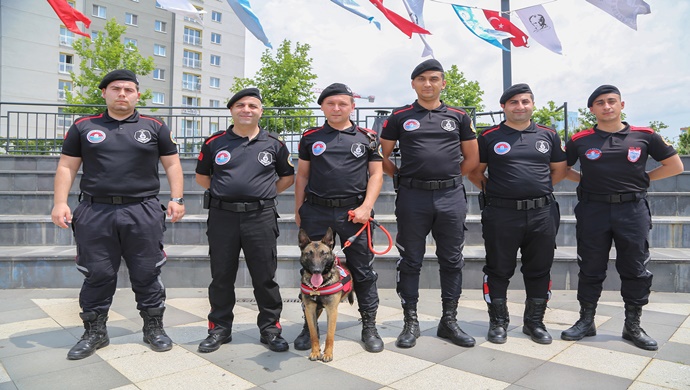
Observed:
{"x":502,"y":24}
{"x":404,"y":25}
{"x":70,"y":16}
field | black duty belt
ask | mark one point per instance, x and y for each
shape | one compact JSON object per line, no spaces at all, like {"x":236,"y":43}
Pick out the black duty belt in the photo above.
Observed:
{"x":612,"y":198}
{"x":113,"y":199}
{"x":341,"y":202}
{"x":525,"y":204}
{"x":241,"y":207}
{"x":430,"y":184}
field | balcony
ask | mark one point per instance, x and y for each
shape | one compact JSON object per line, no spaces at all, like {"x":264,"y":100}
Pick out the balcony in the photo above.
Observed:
{"x":66,"y":40}
{"x":191,"y":63}
{"x":62,"y":94}
{"x":191,"y":85}
{"x":65,"y":68}
{"x":192,"y":40}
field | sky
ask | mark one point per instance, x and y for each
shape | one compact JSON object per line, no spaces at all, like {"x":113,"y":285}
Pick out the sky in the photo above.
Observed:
{"x":651,"y":66}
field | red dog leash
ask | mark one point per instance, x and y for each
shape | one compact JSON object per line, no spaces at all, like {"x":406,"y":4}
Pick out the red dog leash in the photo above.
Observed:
{"x":367,"y":226}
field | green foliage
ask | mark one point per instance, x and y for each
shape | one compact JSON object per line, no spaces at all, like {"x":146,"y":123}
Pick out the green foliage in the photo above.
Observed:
{"x":460,"y":92}
{"x":544,"y":114}
{"x":285,"y":81}
{"x":587,"y":120}
{"x":683,"y":146}
{"x":106,"y":53}
{"x":657,"y":126}
{"x":34,"y":146}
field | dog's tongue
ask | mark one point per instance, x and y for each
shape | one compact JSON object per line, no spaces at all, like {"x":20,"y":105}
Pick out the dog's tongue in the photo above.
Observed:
{"x":316,"y":280}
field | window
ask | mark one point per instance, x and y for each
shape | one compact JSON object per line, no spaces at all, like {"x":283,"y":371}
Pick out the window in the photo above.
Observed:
{"x":99,"y":11}
{"x":190,"y":128}
{"x":94,"y":35}
{"x":215,"y":60}
{"x":158,"y":98}
{"x":216,"y":16}
{"x":191,"y":59}
{"x":159,"y":74}
{"x":191,"y":82}
{"x":131,"y":19}
{"x":213,"y":126}
{"x":66,"y":63}
{"x":192,"y":36}
{"x":161,"y":26}
{"x":215,"y":38}
{"x":158,"y":50}
{"x":130,"y":43}
{"x":189,"y":101}
{"x":66,"y":36}
{"x":64,"y":120}
{"x":214,"y":103}
{"x":215,"y":82}
{"x":63,"y":87}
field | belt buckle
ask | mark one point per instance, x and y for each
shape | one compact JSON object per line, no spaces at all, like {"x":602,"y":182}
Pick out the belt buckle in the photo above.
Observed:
{"x":117,"y":200}
{"x":434,"y":185}
{"x":241,"y":207}
{"x":331,"y":203}
{"x":616,"y":198}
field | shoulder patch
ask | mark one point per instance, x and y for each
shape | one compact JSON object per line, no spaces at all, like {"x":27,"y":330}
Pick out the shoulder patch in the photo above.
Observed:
{"x":582,"y":133}
{"x":642,"y":129}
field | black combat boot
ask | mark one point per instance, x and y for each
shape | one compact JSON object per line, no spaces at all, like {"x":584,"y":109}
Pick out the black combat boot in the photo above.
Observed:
{"x":153,"y":329}
{"x":370,"y":336}
{"x":410,"y":333}
{"x":533,"y":321}
{"x":448,"y":327}
{"x":584,"y":327}
{"x":216,"y":337}
{"x":95,"y":336}
{"x":498,"y":321}
{"x":303,"y":340}
{"x":633,"y":332}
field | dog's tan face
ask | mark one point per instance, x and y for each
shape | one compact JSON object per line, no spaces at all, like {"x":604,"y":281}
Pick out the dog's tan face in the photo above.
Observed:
{"x":317,"y":257}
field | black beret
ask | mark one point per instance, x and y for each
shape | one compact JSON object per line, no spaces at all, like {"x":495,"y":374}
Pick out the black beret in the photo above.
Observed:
{"x":431,"y":64}
{"x":514,"y":90}
{"x":334,"y":89}
{"x":253,"y":92}
{"x":602,"y":89}
{"x":119,"y":74}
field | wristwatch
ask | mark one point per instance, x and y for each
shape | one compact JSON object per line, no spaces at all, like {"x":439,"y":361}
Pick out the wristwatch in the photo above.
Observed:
{"x":177,"y":200}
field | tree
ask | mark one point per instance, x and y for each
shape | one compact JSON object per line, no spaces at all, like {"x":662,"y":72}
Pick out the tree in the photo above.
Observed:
{"x":657,"y":126}
{"x":587,"y":120}
{"x":683,"y":147}
{"x":285,"y":82}
{"x":106,"y":53}
{"x":460,"y":92}
{"x":544,"y":115}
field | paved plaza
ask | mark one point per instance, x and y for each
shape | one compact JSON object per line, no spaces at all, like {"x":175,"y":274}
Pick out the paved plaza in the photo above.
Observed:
{"x":39,"y":326}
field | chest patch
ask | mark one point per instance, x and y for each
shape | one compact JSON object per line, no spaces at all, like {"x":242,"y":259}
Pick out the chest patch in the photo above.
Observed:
{"x":222,"y":157}
{"x":95,"y":136}
{"x":265,"y":158}
{"x":502,"y":148}
{"x":542,"y":146}
{"x":634,"y":154}
{"x":318,"y":148}
{"x":143,"y":136}
{"x":357,"y":150}
{"x":411,"y":125}
{"x":448,"y":125}
{"x":593,"y":154}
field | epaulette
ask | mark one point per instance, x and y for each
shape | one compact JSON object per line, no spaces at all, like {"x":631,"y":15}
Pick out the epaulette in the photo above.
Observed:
{"x":312,"y":130}
{"x":277,"y":137}
{"x":88,"y":117}
{"x":582,"y":133}
{"x":160,"y":122}
{"x":402,"y":109}
{"x":643,"y":129}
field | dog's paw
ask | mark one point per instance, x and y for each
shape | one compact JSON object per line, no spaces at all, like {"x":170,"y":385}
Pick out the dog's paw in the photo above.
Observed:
{"x":327,"y":358}
{"x":314,"y":356}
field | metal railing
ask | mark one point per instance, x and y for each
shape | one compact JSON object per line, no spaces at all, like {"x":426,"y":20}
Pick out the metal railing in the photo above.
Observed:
{"x":29,"y":128}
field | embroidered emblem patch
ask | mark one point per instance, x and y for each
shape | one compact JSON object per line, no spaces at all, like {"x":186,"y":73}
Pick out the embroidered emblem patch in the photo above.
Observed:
{"x":411,"y":125}
{"x":502,"y":148}
{"x":318,"y":148}
{"x":142,"y":136}
{"x":448,"y":125}
{"x":593,"y":154}
{"x":265,"y":158}
{"x":634,"y":154}
{"x":357,"y":150}
{"x":222,"y":157}
{"x":542,"y":146}
{"x":95,"y":136}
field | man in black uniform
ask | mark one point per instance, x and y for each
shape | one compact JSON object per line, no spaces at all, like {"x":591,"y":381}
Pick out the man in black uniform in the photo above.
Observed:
{"x":119,"y":215}
{"x":613,"y":206}
{"x":339,"y":171}
{"x":244,"y":168}
{"x":438,"y":146}
{"x":519,"y":211}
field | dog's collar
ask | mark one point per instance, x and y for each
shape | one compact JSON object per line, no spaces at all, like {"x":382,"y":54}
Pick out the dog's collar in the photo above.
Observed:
{"x":343,"y":284}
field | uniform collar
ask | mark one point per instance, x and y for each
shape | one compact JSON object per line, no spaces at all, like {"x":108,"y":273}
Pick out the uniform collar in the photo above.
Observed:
{"x":604,"y":134}
{"x":419,"y":107}
{"x":131,"y":119}
{"x":350,"y":130}
{"x":532,"y":128}
{"x":262,"y":136}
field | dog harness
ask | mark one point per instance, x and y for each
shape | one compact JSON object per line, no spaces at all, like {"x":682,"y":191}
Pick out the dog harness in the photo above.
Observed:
{"x":343,"y":284}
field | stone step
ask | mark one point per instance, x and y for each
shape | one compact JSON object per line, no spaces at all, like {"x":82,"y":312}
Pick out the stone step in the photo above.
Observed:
{"x":667,"y":232}
{"x":188,"y":266}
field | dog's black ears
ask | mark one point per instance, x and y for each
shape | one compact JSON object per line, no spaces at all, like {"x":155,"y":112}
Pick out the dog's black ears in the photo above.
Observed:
{"x":303,"y":239}
{"x":328,"y":238}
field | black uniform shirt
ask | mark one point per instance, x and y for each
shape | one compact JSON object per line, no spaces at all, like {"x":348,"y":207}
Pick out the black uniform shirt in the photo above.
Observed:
{"x":613,"y":163}
{"x":242,"y":170}
{"x":519,"y":161}
{"x":339,"y":160}
{"x":120,"y":158}
{"x":429,"y":140}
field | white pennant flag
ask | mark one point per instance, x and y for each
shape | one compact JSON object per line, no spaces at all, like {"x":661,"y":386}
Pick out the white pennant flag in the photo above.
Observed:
{"x":182,"y":7}
{"x":415,"y":8}
{"x":624,"y":10}
{"x":540,"y":27}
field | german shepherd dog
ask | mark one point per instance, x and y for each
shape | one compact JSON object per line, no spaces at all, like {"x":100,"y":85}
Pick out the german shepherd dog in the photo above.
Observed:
{"x":319,"y":271}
